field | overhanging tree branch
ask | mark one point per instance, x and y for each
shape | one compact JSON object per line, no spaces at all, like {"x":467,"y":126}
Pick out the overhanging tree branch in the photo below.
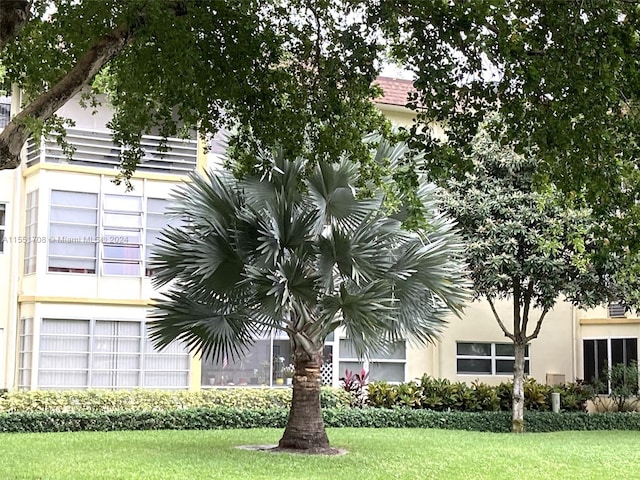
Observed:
{"x":15,"y":134}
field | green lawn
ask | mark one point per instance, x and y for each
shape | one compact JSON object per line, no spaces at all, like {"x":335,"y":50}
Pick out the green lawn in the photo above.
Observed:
{"x":373,"y":454}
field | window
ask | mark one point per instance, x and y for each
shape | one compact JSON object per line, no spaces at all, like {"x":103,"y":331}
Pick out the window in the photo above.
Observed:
{"x":264,"y":364}
{"x":487,"y":358}
{"x":598,"y":353}
{"x":381,"y":365}
{"x":73,"y":232}
{"x":157,"y":219}
{"x":75,"y":220}
{"x":106,"y":354}
{"x":25,"y":349}
{"x":122,"y":235}
{"x":31,"y":231}
{"x":3,"y":213}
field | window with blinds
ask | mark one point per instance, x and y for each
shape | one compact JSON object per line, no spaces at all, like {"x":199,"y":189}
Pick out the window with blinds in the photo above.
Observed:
{"x":73,"y":232}
{"x":104,"y":354}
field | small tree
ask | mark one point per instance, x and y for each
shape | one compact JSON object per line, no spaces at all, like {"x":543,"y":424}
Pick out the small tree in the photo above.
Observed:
{"x":276,"y":253}
{"x":525,"y":243}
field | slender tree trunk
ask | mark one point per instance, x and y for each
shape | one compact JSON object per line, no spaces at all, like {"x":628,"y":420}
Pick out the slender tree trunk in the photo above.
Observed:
{"x":305,"y":427}
{"x":517,"y":425}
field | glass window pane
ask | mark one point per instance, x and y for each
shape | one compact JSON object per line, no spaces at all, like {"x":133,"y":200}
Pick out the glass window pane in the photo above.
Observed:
{"x":103,"y":327}
{"x":474,"y":349}
{"x":346,"y":349}
{"x":631,"y":350}
{"x":166,"y":379}
{"x":61,"y":326}
{"x":74,"y":199}
{"x":254,"y":367}
{"x":505,"y":350}
{"x":63,"y":378}
{"x":354,"y":367}
{"x":73,"y":215}
{"x":617,"y":351}
{"x":64,"y":344}
{"x":156,"y":221}
{"x":166,"y":362}
{"x":122,"y":236}
{"x":123,"y":203}
{"x":74,"y":265}
{"x":3,"y":208}
{"x":111,"y":268}
{"x":115,"y":379}
{"x":589,"y":360}
{"x":157,"y":205}
{"x":474,"y":365}
{"x":67,"y":361}
{"x":67,"y":233}
{"x":397,"y":352}
{"x":122,"y":220}
{"x":73,"y":249}
{"x":390,"y":372}
{"x":122,"y":252}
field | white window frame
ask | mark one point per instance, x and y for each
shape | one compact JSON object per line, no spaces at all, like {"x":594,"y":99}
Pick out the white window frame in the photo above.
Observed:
{"x":25,"y":354}
{"x":149,"y":229}
{"x":3,"y":224}
{"x":31,"y":232}
{"x":70,"y":239}
{"x":145,"y":352}
{"x":133,"y":237}
{"x":122,"y":236}
{"x":493,"y":357}
{"x":366,"y":362}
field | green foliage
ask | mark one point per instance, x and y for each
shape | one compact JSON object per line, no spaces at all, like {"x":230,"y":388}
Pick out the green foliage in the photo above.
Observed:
{"x":621,"y":381}
{"x":517,"y":58}
{"x":526,"y":242}
{"x":229,"y":417}
{"x":294,"y":250}
{"x":624,"y":385}
{"x":284,"y":73}
{"x":443,"y":395}
{"x":95,"y":401}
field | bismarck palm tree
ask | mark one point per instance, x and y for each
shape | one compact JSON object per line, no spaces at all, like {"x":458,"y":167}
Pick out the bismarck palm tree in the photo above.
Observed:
{"x":294,"y":250}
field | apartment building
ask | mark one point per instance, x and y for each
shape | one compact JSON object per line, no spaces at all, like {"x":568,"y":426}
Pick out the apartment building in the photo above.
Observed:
{"x":75,"y":285}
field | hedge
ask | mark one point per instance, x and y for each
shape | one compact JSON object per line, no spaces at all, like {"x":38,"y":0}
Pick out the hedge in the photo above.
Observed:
{"x":443,"y":395}
{"x":71,"y":401}
{"x":227,"y":418}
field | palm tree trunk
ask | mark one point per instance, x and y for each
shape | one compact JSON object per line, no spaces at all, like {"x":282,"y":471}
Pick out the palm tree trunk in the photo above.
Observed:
{"x":305,"y":427}
{"x":517,"y":425}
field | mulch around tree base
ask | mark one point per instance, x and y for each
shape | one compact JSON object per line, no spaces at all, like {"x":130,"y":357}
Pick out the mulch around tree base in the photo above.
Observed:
{"x":310,"y":451}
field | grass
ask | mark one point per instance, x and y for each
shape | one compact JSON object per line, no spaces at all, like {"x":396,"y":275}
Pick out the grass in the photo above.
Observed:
{"x":373,"y":454}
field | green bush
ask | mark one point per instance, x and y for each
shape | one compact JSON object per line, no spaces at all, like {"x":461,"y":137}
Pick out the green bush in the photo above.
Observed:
{"x":227,"y":418}
{"x":158,"y":400}
{"x":444,"y":395}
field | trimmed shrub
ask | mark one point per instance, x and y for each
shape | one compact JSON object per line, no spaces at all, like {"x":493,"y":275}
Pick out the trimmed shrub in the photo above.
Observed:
{"x":444,"y":395}
{"x":158,"y":400}
{"x":227,"y":418}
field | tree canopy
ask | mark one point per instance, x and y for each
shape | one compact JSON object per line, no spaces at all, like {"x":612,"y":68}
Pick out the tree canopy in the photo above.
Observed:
{"x":529,"y":246}
{"x":562,"y":74}
{"x":292,"y":72}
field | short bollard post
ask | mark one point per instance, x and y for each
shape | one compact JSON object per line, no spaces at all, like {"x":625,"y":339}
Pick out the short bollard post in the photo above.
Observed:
{"x":555,"y":402}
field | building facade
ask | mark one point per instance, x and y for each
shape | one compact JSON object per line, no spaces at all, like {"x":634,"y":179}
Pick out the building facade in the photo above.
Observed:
{"x":75,"y":287}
